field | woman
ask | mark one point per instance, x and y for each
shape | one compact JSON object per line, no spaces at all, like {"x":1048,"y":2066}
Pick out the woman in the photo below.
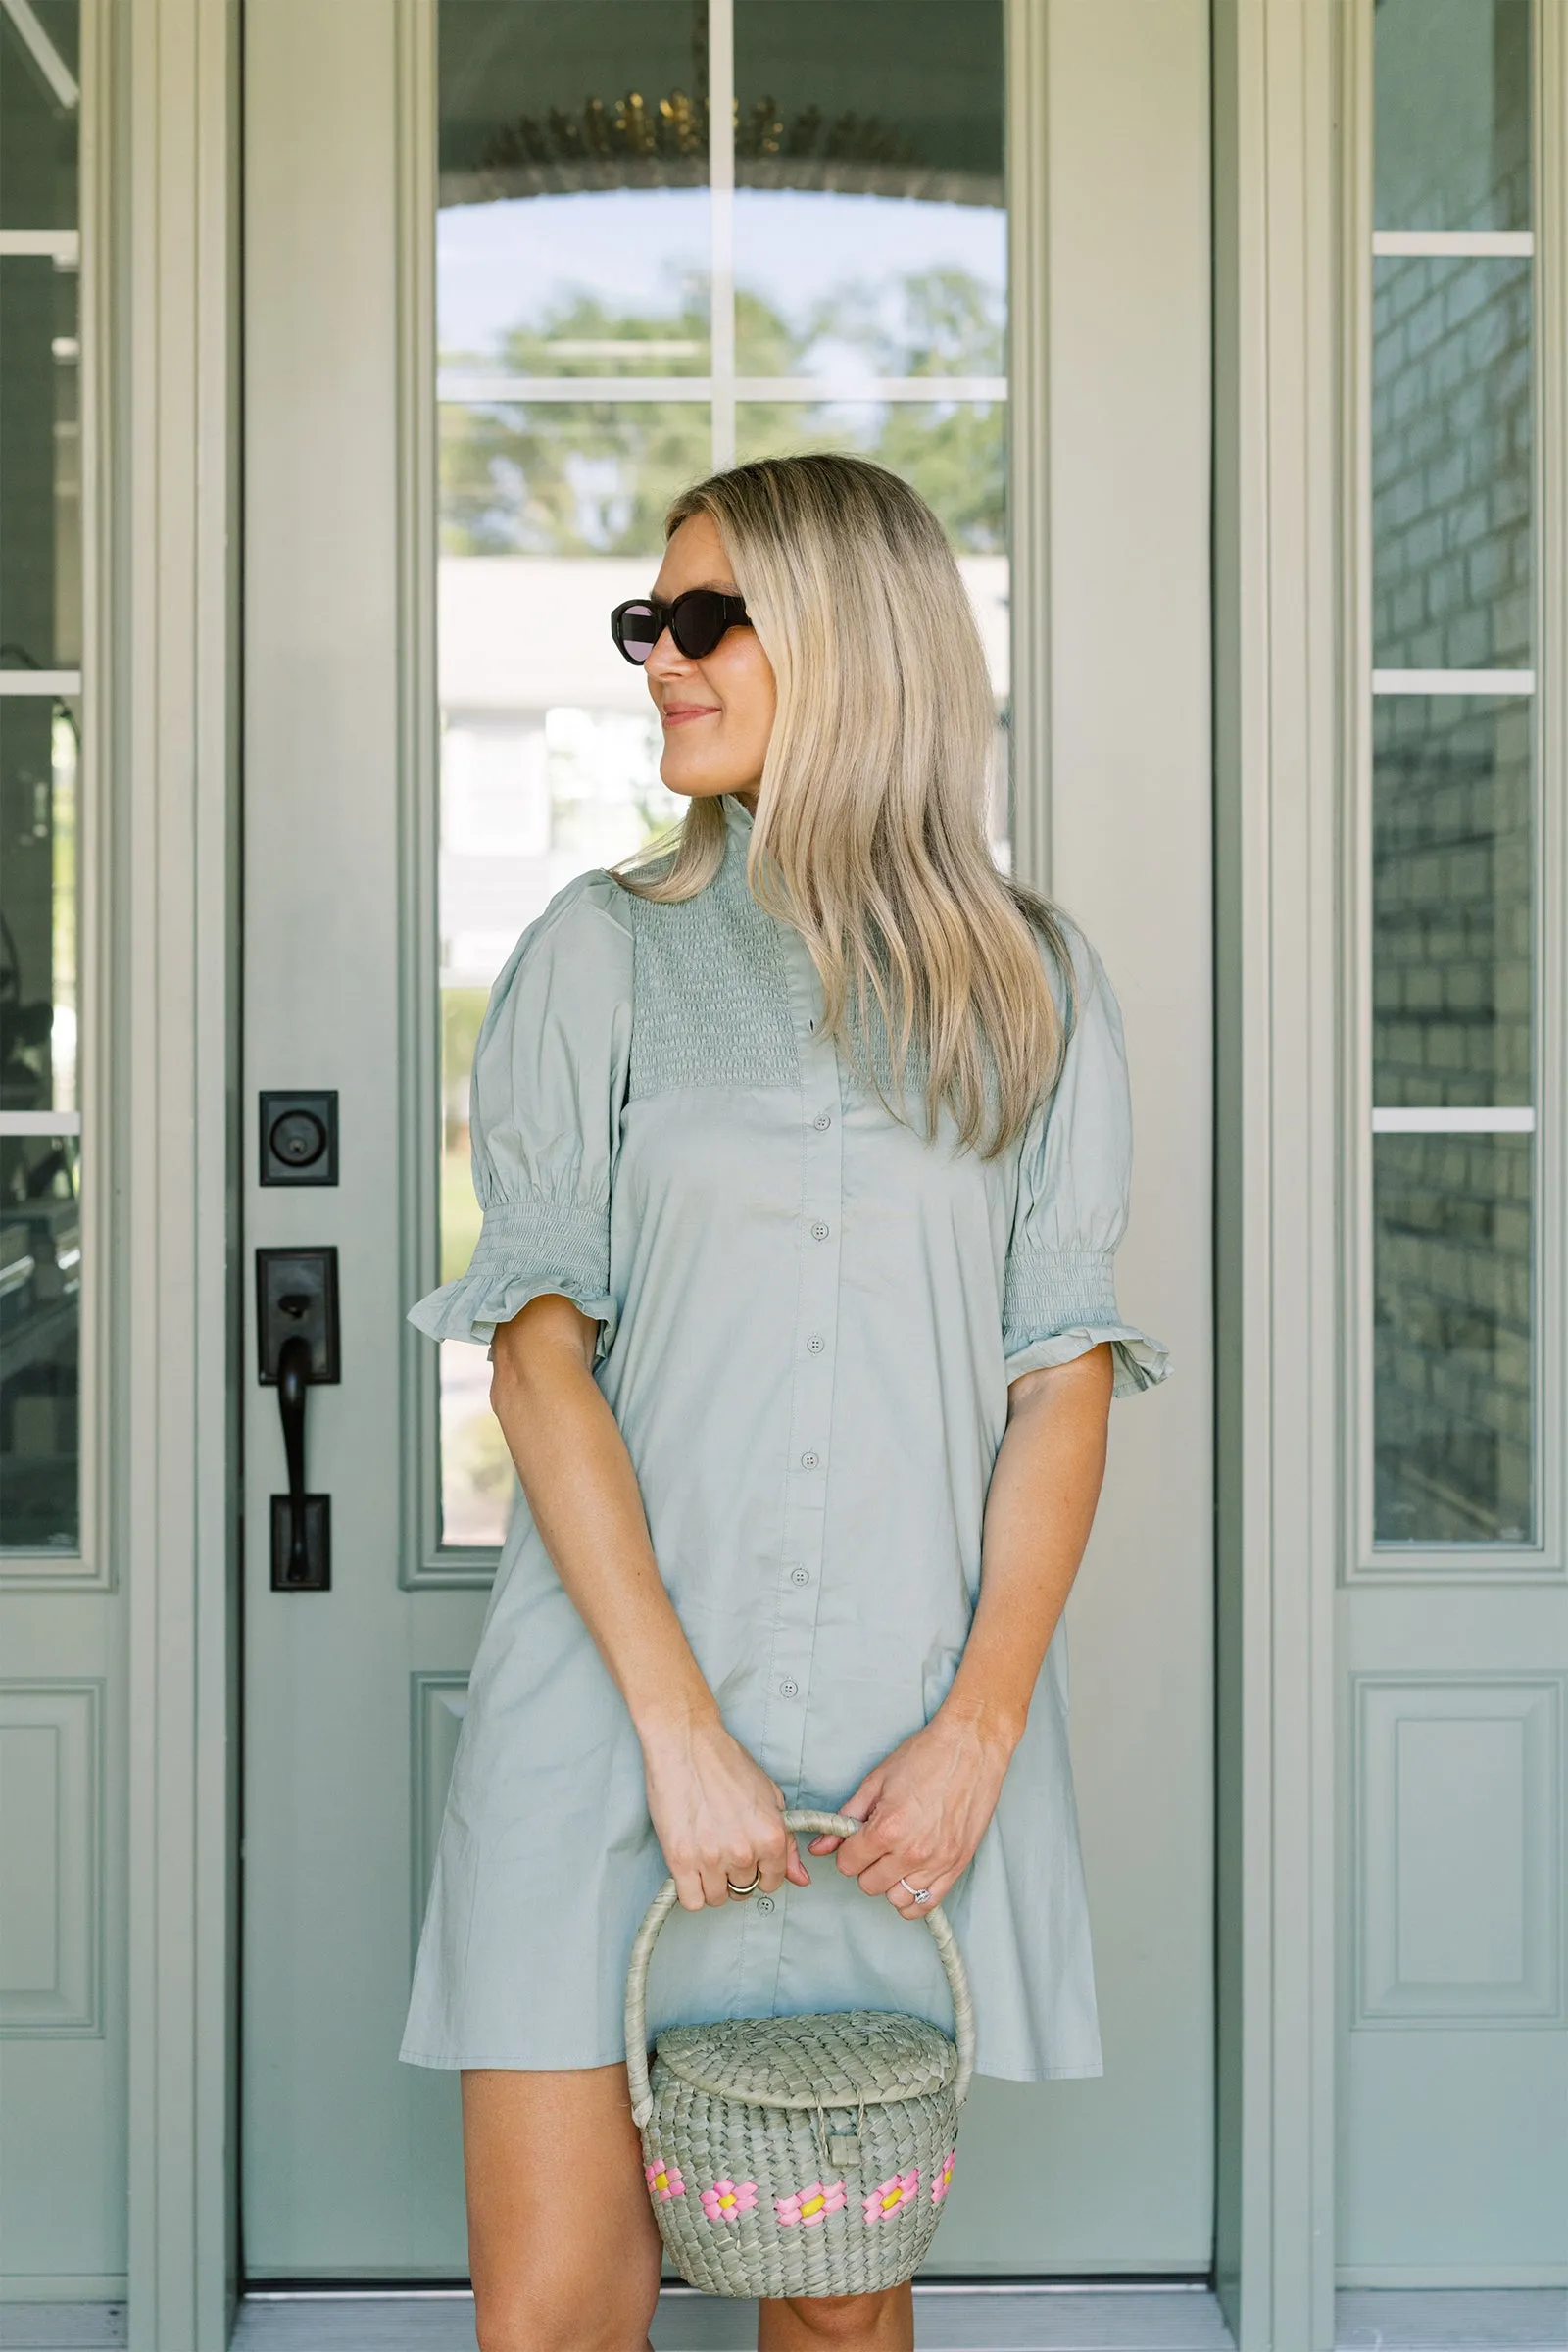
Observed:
{"x":802,"y":1152}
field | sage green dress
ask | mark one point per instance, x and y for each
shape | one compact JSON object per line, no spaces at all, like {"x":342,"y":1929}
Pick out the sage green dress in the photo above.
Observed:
{"x":809,"y":1316}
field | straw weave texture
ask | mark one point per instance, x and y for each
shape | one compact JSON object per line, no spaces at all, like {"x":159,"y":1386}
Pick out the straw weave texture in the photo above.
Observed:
{"x":799,"y":2155}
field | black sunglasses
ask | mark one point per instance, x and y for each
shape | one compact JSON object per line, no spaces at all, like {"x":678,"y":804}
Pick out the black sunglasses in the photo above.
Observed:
{"x":696,"y":621}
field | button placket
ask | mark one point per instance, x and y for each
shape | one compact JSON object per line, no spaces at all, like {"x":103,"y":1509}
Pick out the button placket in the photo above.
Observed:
{"x":809,"y":1463}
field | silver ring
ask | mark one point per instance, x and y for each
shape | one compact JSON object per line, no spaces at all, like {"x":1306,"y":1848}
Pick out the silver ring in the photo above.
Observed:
{"x":739,"y":1894}
{"x":921,"y":1894}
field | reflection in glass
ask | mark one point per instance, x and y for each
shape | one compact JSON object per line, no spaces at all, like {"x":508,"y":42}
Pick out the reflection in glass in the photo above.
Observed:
{"x":1451,"y":1339}
{"x":39,"y":114}
{"x":1451,"y":888}
{"x":953,"y":452}
{"x":40,"y":633}
{"x":564,"y":478}
{"x":1452,"y":464}
{"x":580,"y":241}
{"x":41,"y":465}
{"x":573,"y":235}
{"x":1452,"y":114}
{"x":870,"y":234}
{"x":40,"y":1322}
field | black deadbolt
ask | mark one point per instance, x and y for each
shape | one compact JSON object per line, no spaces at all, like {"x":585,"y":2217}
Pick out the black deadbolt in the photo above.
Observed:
{"x":299,"y":1138}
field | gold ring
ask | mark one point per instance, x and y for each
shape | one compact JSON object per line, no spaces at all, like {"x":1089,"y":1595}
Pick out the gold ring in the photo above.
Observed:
{"x":740,"y":1894}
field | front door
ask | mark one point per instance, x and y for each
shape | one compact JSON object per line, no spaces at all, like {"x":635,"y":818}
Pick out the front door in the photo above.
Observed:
{"x":515,"y":271}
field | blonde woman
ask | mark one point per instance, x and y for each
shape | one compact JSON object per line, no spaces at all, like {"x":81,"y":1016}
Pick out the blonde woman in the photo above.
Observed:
{"x":802,"y":1152}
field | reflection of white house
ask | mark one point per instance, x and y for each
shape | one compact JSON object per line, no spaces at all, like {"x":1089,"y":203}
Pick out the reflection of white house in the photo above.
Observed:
{"x":549,"y":754}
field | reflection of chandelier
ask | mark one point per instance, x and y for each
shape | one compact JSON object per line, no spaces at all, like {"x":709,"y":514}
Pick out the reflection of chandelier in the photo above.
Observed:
{"x":630,"y":132}
{"x":628,"y":143}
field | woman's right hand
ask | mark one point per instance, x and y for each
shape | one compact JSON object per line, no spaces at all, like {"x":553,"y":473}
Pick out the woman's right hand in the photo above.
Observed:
{"x":718,"y":1815}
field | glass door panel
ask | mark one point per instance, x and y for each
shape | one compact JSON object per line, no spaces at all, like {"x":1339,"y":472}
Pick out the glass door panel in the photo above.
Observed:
{"x":635,"y":203}
{"x":40,"y":737}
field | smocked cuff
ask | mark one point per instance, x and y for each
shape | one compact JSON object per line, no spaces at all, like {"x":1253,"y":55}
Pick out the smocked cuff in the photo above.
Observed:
{"x":1058,"y":1303}
{"x":530,"y":1248}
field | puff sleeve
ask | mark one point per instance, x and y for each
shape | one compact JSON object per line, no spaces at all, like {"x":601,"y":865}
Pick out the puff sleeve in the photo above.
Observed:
{"x":550,"y":1075}
{"x":1060,"y":1293}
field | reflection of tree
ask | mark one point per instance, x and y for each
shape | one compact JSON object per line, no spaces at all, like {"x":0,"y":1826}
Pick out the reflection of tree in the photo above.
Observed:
{"x":574,"y":478}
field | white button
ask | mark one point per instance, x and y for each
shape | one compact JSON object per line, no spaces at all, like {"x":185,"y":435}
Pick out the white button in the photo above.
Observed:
{"x":809,"y":1461}
{"x":788,"y":1689}
{"x":799,"y":1576}
{"x":824,"y":1118}
{"x":819,"y":1232}
{"x":764,"y":1902}
{"x":816,"y":1343}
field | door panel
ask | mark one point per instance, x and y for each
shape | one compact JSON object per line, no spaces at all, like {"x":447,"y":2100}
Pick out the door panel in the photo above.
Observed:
{"x":354,"y":1696}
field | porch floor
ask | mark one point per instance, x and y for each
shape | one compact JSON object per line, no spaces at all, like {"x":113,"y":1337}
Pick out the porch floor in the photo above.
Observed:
{"x":948,"y":2319}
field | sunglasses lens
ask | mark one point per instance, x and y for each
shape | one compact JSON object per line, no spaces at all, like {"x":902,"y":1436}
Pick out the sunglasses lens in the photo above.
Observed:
{"x":698,"y":622}
{"x":637,"y":630}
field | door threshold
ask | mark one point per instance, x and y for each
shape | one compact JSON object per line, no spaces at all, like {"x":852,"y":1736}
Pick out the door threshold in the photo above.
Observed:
{"x":991,"y":2315}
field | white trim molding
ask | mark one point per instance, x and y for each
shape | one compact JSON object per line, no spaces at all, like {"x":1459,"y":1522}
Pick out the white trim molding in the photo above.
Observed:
{"x":1277,"y":610}
{"x":175,"y":1056}
{"x":1454,"y":244}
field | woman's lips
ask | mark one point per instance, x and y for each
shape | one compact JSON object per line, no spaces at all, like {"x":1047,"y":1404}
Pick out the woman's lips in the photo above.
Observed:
{"x":676,"y":714}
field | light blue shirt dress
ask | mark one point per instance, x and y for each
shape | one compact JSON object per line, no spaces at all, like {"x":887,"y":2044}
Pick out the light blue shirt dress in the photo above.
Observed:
{"x":809,"y":1316}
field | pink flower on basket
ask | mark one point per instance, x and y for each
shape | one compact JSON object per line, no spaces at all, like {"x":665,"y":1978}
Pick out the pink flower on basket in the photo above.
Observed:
{"x":943,"y":2180}
{"x":727,"y":2200}
{"x":808,"y":2205}
{"x":892,"y":2196}
{"x":664,"y":2181}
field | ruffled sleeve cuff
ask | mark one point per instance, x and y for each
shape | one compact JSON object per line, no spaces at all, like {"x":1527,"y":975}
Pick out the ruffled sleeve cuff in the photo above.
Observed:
{"x":1058,"y":1303}
{"x":526,"y":1250}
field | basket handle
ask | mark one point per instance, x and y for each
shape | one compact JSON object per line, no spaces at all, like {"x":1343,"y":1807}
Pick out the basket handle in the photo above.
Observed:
{"x":816,"y":1825}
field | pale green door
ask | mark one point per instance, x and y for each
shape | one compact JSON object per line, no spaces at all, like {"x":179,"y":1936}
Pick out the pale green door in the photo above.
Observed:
{"x":624,"y":289}
{"x":1453,"y":2058}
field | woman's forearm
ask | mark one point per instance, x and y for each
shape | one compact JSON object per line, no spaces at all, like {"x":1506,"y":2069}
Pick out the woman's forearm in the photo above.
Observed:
{"x":1039,"y":1510}
{"x":582,"y":1492}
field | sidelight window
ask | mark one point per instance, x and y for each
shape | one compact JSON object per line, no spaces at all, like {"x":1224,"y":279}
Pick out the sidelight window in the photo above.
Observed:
{"x":671,"y":235}
{"x":1454,"y":770}
{"x":41,"y":746}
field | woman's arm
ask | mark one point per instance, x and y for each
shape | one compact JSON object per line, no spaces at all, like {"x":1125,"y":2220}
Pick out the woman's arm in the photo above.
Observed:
{"x":716,"y":1813}
{"x":926,"y":1806}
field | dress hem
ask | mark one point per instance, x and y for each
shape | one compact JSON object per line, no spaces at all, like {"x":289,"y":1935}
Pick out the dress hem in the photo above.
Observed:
{"x":1077,"y":2072}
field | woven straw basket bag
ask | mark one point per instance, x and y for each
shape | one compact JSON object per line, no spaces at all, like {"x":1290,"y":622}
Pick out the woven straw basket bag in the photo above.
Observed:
{"x":799,"y":2155}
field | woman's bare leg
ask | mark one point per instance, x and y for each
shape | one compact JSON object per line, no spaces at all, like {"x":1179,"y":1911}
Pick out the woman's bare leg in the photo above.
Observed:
{"x":562,"y":2247}
{"x":849,"y":2323}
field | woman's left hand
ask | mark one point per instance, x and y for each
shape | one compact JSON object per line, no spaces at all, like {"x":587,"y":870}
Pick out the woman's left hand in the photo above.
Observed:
{"x":923,"y":1811}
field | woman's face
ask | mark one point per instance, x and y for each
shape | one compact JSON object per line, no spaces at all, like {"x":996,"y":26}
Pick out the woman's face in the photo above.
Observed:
{"x":717,"y":714}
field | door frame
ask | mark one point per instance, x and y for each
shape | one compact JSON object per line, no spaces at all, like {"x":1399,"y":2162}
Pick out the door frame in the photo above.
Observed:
{"x":173,"y":867}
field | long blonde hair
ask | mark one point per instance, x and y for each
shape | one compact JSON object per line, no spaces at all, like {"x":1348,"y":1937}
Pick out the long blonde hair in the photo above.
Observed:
{"x":869,"y":835}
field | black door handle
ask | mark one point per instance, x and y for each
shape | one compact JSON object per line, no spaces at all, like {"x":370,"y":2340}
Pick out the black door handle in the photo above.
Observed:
{"x":293,"y":1378}
{"x":297,"y":1336}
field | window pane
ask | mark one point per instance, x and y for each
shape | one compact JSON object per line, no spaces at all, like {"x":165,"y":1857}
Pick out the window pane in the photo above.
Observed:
{"x":870,"y":234}
{"x":573,"y":234}
{"x":41,"y":1321}
{"x":551,"y":516}
{"x":1453,"y":102}
{"x":1451,"y":1331}
{"x":38,"y":117}
{"x":563,"y":478}
{"x":1451,"y":893}
{"x":41,"y":467}
{"x":40,"y":630}
{"x":1452,"y":464}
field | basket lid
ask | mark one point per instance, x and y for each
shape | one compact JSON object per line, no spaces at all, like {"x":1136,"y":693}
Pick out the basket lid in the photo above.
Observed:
{"x":843,"y":2058}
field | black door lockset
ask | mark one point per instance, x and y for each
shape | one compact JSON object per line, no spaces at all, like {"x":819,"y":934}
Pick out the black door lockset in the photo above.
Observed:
{"x":298,"y":1346}
{"x":297,"y":1134}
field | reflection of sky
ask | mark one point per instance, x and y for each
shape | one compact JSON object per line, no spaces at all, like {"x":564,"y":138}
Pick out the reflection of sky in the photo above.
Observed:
{"x":503,"y":265}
